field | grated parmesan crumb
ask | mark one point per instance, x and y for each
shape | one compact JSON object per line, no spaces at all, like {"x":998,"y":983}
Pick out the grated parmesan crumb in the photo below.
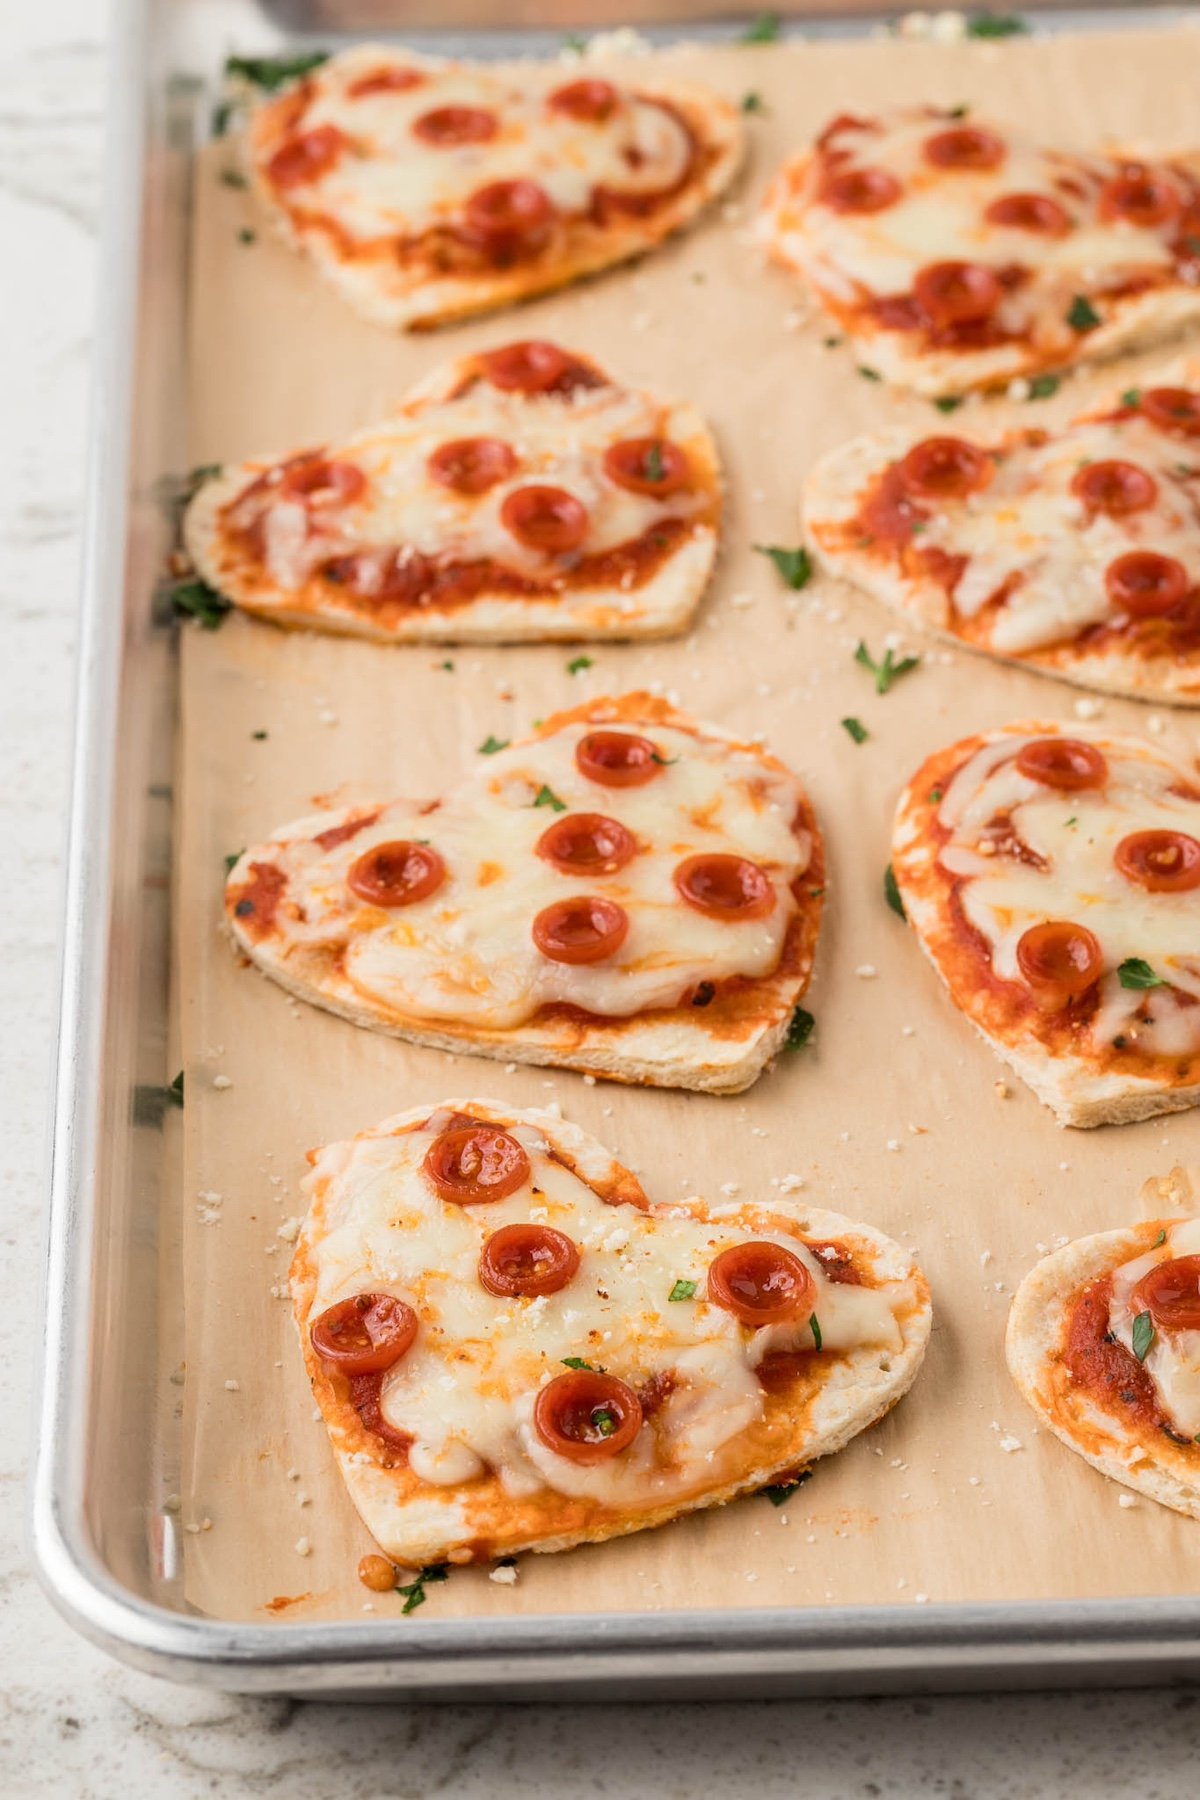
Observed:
{"x":504,"y":1575}
{"x":303,"y":1546}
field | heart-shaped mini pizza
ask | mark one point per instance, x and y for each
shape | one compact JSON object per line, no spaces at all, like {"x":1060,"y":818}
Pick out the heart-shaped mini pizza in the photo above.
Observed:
{"x":1073,"y":551}
{"x":957,"y":252}
{"x":1054,"y":882}
{"x":426,"y":190}
{"x":626,"y":892}
{"x":513,"y":1348}
{"x":517,"y":494}
{"x":1104,"y":1343}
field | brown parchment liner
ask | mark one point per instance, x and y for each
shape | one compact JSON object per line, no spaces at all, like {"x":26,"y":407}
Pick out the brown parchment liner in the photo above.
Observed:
{"x":895,"y":1113}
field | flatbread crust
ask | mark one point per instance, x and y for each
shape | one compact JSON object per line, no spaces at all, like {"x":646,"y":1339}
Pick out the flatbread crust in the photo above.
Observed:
{"x":419,"y":272}
{"x":1084,"y":1086}
{"x":1107,"y":1437}
{"x":721,"y":1046}
{"x":1137,"y":285}
{"x":815,"y":1414}
{"x":480,"y":585}
{"x":1053,"y":552}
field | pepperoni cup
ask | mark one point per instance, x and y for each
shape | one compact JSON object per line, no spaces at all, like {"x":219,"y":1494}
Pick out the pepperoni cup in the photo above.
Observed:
{"x":1115,"y":488}
{"x":1145,"y":584}
{"x":545,"y":518}
{"x":447,"y":126}
{"x":1062,"y":762}
{"x":1139,"y":197}
{"x":964,"y":147}
{"x":472,"y":465}
{"x":1060,"y":961}
{"x":1172,"y":409}
{"x":475,"y":1163}
{"x":1170,"y":1293}
{"x":365,"y":1334}
{"x":1164,"y":862}
{"x":527,"y":1260}
{"x":318,"y":482}
{"x":725,"y":887}
{"x":306,"y":158}
{"x":956,"y":293}
{"x":1029,"y":212}
{"x":945,"y":468}
{"x":586,"y":1416}
{"x":587,"y":844}
{"x":532,"y":367}
{"x":618,"y":759}
{"x":591,"y":102}
{"x":509,"y":218}
{"x":647,"y":465}
{"x":860,"y":191}
{"x":585,"y":929}
{"x":760,"y":1283}
{"x":396,"y":874}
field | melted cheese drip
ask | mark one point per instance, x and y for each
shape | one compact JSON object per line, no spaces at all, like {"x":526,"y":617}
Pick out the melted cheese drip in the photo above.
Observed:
{"x":466,"y":1389}
{"x":939,"y":217}
{"x":1173,"y":1359}
{"x":1076,"y":834}
{"x":396,"y":184}
{"x":558,"y":440}
{"x":466,"y":953}
{"x":1027,"y":524}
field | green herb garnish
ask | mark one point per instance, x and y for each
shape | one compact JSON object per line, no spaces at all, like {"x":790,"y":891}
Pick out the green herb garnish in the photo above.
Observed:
{"x":934,"y":796}
{"x":260,"y":737}
{"x":763,"y":30}
{"x":996,"y":25}
{"x":1082,"y":315}
{"x":447,"y":666}
{"x":800,"y":1030}
{"x":271,"y":72}
{"x":815,"y":1328}
{"x":547,"y":797}
{"x":1042,"y":386}
{"x":857,"y":730}
{"x":794,"y":566}
{"x":577,"y":1362}
{"x":491,"y":744}
{"x":604,"y":1422}
{"x":1131,"y":397}
{"x":868,"y":373}
{"x":1143,"y":1335}
{"x":891,"y":892}
{"x":414,"y":1591}
{"x":175,"y":1091}
{"x":232,"y":861}
{"x":781,"y":1492}
{"x":753,"y":103}
{"x":653,"y":467}
{"x":577,"y":664}
{"x":887,"y":671}
{"x":947,"y":403}
{"x":232,"y":178}
{"x":1160,"y":1239}
{"x":1135,"y":972}
{"x":683,"y":1290}
{"x":194,"y":599}
{"x":246,"y":236}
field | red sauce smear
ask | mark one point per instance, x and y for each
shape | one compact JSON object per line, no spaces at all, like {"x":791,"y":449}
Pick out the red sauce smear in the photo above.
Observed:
{"x":364,"y":1397}
{"x":341,"y":834}
{"x":256,"y":902}
{"x":1105,"y":1367}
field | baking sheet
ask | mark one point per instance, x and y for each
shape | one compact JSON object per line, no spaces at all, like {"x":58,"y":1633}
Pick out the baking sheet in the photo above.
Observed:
{"x":895,"y":1113}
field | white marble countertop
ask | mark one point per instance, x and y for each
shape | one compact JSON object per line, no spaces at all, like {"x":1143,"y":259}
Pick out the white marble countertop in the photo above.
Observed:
{"x":71,"y":1722}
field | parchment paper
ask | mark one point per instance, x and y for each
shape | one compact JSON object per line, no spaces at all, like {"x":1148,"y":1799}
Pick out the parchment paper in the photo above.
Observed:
{"x":893,"y":1114}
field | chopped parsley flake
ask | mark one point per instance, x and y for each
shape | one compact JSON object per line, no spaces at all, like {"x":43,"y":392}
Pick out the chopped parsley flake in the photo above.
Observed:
{"x":1131,"y":397}
{"x":271,"y":72}
{"x":547,"y":797}
{"x":996,"y":25}
{"x":577,"y":1362}
{"x":815,"y":1328}
{"x":1082,"y":315}
{"x":891,"y":892}
{"x":1135,"y":972}
{"x":414,"y":1591}
{"x":868,"y":373}
{"x":782,"y":1491}
{"x":491,"y":744}
{"x":948,"y":403}
{"x":1042,"y":386}
{"x":887,"y":671}
{"x":683,"y":1290}
{"x":935,"y":794}
{"x":604,"y":1422}
{"x":763,"y":30}
{"x":577,"y":665}
{"x":246,"y":236}
{"x":832,"y":343}
{"x":175,"y":1091}
{"x":232,"y":178}
{"x":800,"y":1030}
{"x":1160,"y":1239}
{"x":448,"y":666}
{"x":794,"y":566}
{"x":260,"y":737}
{"x":857,"y":730}
{"x":653,"y":467}
{"x":1143,"y":1335}
{"x":753,"y":103}
{"x":232,"y":861}
{"x":194,"y":599}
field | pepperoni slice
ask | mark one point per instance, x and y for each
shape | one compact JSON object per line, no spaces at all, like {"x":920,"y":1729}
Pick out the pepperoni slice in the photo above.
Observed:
{"x":1139,"y":197}
{"x":860,"y":190}
{"x":474,"y":1163}
{"x":507,"y":218}
{"x":585,"y":929}
{"x":1115,"y":488}
{"x":586,"y":1416}
{"x":587,"y":844}
{"x":545,"y":518}
{"x":1059,"y":960}
{"x":647,"y":465}
{"x":448,"y":126}
{"x":319,"y":482}
{"x":1146,"y":584}
{"x":945,"y":468}
{"x":964,"y":147}
{"x":1029,"y":212}
{"x":1064,"y":763}
{"x":1165,"y":862}
{"x":527,"y":1260}
{"x":307,"y":157}
{"x":1170,"y":1293}
{"x":760,"y":1283}
{"x":618,"y":759}
{"x":472,"y":465}
{"x":589,"y":101}
{"x":384,"y":81}
{"x":364,"y":1335}
{"x":725,"y":887}
{"x":1172,"y":409}
{"x":535,"y":367}
{"x":956,"y":293}
{"x":396,"y":874}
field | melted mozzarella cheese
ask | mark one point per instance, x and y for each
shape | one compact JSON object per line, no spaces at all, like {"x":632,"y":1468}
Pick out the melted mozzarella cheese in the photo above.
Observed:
{"x":1173,"y":1359}
{"x":1076,"y":834}
{"x":557,"y":441}
{"x":397,"y":184}
{"x":1027,"y":528}
{"x":466,"y":1390}
{"x":939,"y":217}
{"x":466,"y":953}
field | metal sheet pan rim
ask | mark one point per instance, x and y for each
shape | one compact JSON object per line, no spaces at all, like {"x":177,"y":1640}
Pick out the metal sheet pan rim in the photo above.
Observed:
{"x":870,"y":1648}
